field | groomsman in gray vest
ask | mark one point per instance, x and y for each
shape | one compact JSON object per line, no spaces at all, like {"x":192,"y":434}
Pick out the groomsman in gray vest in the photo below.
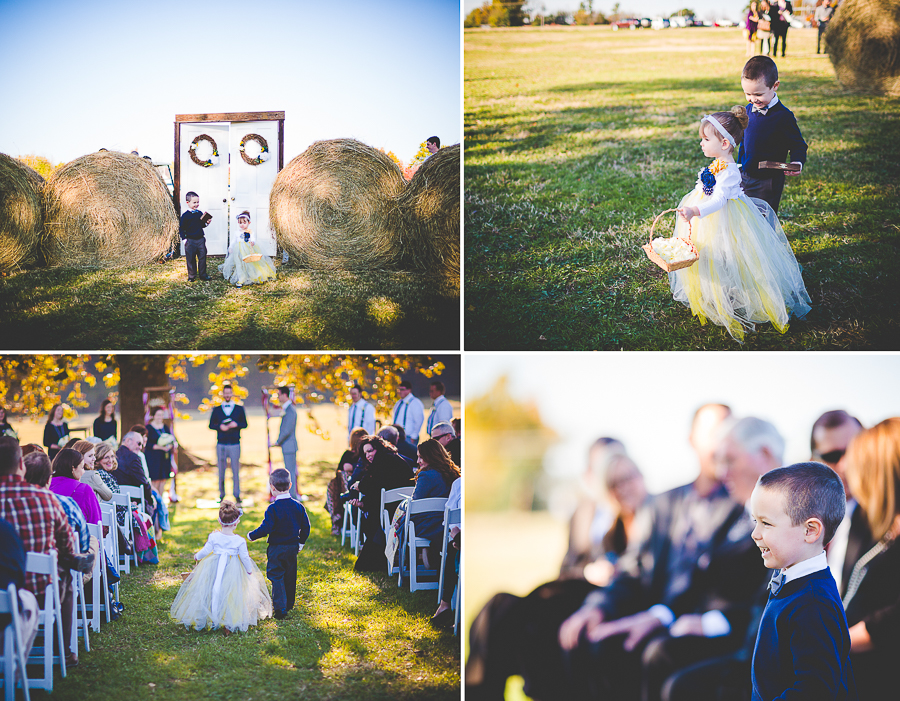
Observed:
{"x":227,"y":420}
{"x":409,"y":412}
{"x":287,"y":439}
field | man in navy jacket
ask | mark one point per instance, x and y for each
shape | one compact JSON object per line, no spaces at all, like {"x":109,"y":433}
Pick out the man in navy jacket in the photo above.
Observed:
{"x":227,"y":420}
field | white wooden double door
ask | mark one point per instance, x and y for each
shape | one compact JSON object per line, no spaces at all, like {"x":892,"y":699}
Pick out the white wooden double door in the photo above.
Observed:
{"x":232,"y":185}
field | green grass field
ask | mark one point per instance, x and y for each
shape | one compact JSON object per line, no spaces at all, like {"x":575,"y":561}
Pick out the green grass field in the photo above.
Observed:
{"x":351,"y":636}
{"x":576,"y":138}
{"x":154,"y":308}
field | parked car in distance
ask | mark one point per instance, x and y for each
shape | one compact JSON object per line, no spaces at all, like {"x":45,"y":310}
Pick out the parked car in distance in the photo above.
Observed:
{"x":629,"y":23}
{"x":660,"y":23}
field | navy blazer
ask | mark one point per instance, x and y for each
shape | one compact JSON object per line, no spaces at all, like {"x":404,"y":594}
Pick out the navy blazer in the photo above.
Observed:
{"x":231,"y":436}
{"x":769,"y":137}
{"x":285,"y":522}
{"x":130,"y":472}
{"x":191,"y":226}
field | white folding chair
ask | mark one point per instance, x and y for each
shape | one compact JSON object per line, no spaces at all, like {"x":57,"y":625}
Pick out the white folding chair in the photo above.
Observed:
{"x":452,"y":517}
{"x":421,"y":506}
{"x":13,"y":645}
{"x":79,"y":613}
{"x":124,"y":561}
{"x":352,"y":521}
{"x":111,"y":546}
{"x":99,"y":581}
{"x":136,"y":493}
{"x":391,"y":496}
{"x":49,"y":617}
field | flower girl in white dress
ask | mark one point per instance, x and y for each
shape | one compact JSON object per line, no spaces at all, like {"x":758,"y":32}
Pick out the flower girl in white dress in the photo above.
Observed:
{"x":226,"y":589}
{"x":245,"y":262}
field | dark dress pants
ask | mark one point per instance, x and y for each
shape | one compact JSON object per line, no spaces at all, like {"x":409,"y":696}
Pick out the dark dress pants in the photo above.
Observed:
{"x":281,"y":570}
{"x":766,"y":189}
{"x":195,"y":255}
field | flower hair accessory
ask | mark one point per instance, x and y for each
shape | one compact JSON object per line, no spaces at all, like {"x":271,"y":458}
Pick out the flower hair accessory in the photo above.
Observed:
{"x":708,"y":175}
{"x":722,"y":130}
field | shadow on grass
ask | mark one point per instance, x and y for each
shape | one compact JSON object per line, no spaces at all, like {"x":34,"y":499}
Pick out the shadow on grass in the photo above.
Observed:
{"x":154,"y":308}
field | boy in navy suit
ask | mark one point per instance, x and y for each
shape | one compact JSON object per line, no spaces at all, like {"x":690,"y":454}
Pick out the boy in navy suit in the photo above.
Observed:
{"x":191,"y":232}
{"x":287,"y":526}
{"x":802,"y":648}
{"x":770,"y":134}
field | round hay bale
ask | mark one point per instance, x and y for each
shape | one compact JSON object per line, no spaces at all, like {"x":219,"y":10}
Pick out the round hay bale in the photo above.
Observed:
{"x":430,"y":208}
{"x":335,"y":206}
{"x":20,"y":211}
{"x":107,"y":209}
{"x":863,"y":40}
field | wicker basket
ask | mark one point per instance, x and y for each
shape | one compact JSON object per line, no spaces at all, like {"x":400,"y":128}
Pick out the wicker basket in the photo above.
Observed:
{"x":669,"y":267}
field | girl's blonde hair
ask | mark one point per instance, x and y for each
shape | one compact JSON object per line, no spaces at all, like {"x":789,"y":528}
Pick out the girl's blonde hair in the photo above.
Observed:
{"x":229,"y":513}
{"x":873,"y":474}
{"x":734,"y":121}
{"x":84,"y":447}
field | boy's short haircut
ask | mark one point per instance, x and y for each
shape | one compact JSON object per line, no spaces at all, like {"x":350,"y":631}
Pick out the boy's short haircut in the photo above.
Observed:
{"x":280,"y":479}
{"x":761,"y":67}
{"x":433,"y":140}
{"x":810,"y":490}
{"x":191,"y":194}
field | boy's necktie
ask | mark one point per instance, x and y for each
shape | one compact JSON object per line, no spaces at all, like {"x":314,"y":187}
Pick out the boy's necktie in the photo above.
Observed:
{"x":776,"y":582}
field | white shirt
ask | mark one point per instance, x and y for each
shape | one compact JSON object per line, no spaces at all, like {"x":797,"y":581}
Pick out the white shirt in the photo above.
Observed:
{"x":227,"y":408}
{"x":409,"y":413}
{"x":441,"y":411}
{"x":361,"y":414}
{"x":801,"y":569}
{"x":728,"y":187}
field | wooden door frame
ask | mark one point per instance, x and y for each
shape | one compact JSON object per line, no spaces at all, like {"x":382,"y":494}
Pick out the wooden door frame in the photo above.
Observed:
{"x":223,"y":117}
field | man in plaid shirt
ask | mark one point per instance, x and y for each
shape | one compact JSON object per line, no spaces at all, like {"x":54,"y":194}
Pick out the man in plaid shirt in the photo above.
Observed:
{"x":41,"y":524}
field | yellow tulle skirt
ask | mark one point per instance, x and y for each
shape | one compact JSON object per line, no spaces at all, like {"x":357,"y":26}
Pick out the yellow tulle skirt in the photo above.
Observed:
{"x":746,"y":273}
{"x":242,"y":602}
{"x":240,"y":272}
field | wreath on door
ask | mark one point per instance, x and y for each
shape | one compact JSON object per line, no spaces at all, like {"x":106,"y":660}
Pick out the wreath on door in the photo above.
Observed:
{"x":263,"y":149}
{"x":192,"y":150}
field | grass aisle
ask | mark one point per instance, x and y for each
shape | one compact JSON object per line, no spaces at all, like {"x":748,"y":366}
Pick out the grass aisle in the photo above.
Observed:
{"x":350,"y":636}
{"x":154,"y":308}
{"x":576,"y":138}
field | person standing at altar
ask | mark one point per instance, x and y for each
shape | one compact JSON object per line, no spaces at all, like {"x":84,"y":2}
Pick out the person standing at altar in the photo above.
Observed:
{"x":227,"y":420}
{"x":409,"y":412}
{"x":441,"y":409}
{"x":287,"y":438}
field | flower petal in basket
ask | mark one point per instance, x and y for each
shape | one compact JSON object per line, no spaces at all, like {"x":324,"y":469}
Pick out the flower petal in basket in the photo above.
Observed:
{"x":252,"y":258}
{"x":684,"y":250}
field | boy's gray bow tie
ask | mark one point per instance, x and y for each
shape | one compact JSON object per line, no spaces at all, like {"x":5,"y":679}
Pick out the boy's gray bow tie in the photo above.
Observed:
{"x":761,"y":110}
{"x":776,"y":582}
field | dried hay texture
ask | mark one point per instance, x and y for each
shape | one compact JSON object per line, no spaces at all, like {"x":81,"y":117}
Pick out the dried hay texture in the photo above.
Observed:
{"x":107,"y":209}
{"x":430,"y":209}
{"x":20,"y":211}
{"x":335,"y":206}
{"x":863,"y":40}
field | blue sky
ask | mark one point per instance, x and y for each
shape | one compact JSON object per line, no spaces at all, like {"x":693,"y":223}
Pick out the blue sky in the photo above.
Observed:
{"x":78,"y":76}
{"x":731,"y":9}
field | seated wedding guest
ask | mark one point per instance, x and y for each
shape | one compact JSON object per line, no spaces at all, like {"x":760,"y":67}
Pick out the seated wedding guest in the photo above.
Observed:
{"x":437,"y":473}
{"x":404,"y":446}
{"x":91,"y":476}
{"x":106,"y":465}
{"x":872,"y":599}
{"x":42,"y":525}
{"x":39,"y":472}
{"x":56,"y":431}
{"x":444,"y":434}
{"x":68,"y":467}
{"x":141,"y":430}
{"x":383,"y":468}
{"x":457,"y":426}
{"x":341,"y":480}
{"x":105,"y":425}
{"x":5,"y":428}
{"x":30,"y":448}
{"x":12,"y":571}
{"x":130,"y":470}
{"x":443,"y":617}
{"x":392,"y":436}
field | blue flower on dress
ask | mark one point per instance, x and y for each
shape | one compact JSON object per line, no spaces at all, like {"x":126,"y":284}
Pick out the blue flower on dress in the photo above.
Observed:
{"x":708,"y":180}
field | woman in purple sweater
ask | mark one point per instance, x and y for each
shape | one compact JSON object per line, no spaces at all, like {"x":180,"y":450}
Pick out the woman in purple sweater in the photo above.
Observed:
{"x":68,"y":467}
